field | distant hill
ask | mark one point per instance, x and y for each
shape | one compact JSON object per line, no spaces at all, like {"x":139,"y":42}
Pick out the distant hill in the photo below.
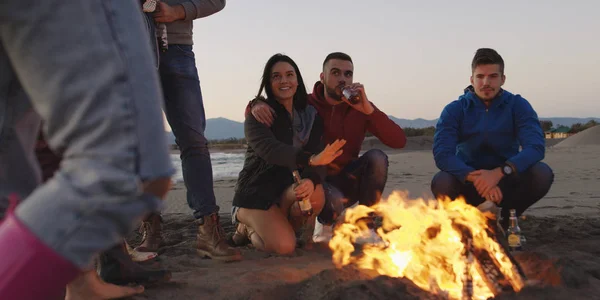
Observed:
{"x":569,"y":121}
{"x":222,"y":128}
{"x":421,"y":123}
{"x":416,"y":123}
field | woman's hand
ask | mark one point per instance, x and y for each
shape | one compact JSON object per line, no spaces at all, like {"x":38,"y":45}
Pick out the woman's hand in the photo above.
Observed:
{"x":304,"y":189}
{"x":329,"y":154}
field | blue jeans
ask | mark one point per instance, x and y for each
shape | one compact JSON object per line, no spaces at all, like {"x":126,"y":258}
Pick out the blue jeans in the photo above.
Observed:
{"x":185,"y":113}
{"x":362,"y":181}
{"x":88,"y":75}
{"x":519,"y":191}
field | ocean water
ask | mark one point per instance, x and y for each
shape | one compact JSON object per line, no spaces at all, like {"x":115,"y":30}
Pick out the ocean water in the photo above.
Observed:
{"x":224,"y":165}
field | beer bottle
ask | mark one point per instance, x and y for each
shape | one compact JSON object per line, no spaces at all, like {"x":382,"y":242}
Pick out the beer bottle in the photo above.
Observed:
{"x":350,"y":94}
{"x":305,"y":206}
{"x":514,"y":233}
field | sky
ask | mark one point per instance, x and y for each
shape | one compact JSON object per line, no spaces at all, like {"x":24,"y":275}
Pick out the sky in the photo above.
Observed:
{"x":413,"y":57}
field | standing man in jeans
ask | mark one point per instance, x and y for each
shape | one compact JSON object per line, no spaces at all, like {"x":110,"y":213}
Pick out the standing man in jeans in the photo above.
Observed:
{"x":185,"y":113}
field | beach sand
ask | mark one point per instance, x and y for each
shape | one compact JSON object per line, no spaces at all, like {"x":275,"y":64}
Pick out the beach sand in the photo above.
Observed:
{"x":562,"y":250}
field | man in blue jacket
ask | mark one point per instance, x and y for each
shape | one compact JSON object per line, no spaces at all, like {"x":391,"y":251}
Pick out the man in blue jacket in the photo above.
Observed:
{"x":477,"y":140}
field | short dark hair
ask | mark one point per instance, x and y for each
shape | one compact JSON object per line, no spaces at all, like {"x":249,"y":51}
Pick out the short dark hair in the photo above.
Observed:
{"x":336,"y":55}
{"x":487,"y":56}
{"x":300,"y":100}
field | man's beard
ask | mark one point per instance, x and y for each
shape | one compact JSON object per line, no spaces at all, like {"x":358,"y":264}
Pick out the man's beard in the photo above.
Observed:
{"x":333,"y":93}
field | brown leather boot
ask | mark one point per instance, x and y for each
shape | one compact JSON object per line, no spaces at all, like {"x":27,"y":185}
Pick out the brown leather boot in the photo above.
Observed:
{"x":151,"y":230}
{"x":212,"y":240}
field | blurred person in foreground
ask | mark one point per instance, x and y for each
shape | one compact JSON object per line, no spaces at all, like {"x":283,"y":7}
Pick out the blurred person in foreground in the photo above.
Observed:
{"x":84,"y":68}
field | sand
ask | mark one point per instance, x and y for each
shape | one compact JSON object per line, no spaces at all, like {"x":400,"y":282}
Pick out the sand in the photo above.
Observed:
{"x":588,"y":137}
{"x":562,"y":250}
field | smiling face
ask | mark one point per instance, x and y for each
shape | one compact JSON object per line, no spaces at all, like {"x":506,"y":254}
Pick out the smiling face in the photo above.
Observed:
{"x":284,"y":81}
{"x":487,"y":79}
{"x":337,"y":73}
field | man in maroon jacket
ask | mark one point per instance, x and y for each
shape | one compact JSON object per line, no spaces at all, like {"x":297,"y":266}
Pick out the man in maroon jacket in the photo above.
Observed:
{"x":351,"y":178}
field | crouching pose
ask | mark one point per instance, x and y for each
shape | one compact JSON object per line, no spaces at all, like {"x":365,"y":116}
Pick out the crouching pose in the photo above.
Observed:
{"x":265,"y":201}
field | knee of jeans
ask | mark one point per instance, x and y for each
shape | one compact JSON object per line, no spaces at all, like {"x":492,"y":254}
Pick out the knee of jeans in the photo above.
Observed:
{"x":377,"y":158}
{"x":158,"y":187}
{"x":193,"y":142}
{"x":333,"y":205}
{"x":378,"y":162}
{"x":542,"y":177}
{"x":444,"y":184}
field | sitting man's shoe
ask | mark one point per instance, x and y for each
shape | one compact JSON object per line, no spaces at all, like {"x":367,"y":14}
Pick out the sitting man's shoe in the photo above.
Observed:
{"x":116,"y":267}
{"x":322,"y":233}
{"x":212,"y":240}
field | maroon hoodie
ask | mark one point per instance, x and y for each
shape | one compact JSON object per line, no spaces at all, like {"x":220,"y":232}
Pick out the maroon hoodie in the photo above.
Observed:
{"x":344,"y":122}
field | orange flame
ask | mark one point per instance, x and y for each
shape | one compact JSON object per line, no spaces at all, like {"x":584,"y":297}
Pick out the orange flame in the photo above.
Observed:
{"x":419,"y":242}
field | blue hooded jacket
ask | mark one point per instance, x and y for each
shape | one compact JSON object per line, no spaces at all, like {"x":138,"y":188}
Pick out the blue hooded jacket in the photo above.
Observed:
{"x":469,"y":136}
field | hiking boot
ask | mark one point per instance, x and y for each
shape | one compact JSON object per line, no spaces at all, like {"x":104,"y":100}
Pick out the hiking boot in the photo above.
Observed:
{"x":116,"y":266}
{"x":212,"y":240}
{"x":151,"y":231}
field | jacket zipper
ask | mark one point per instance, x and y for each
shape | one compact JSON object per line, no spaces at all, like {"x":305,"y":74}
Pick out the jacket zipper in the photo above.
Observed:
{"x":486,"y":125}
{"x":331,"y":117}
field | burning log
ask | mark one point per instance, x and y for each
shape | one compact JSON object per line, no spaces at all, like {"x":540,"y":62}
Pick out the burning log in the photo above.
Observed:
{"x":488,"y":267}
{"x":446,"y":247}
{"x":468,"y":280}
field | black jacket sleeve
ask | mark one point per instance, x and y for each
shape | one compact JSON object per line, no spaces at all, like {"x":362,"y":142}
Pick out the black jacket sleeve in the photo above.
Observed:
{"x":315,"y":145}
{"x":263,"y":142}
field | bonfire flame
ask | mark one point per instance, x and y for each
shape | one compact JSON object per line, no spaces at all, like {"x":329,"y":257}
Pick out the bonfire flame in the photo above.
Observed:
{"x":425,"y":242}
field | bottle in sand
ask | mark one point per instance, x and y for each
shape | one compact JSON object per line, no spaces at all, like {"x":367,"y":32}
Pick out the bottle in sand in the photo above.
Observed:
{"x":305,"y":206}
{"x":514,"y":233}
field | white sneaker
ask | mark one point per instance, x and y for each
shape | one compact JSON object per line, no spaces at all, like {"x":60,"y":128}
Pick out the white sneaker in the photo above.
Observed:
{"x":149,"y":5}
{"x":322,"y":233}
